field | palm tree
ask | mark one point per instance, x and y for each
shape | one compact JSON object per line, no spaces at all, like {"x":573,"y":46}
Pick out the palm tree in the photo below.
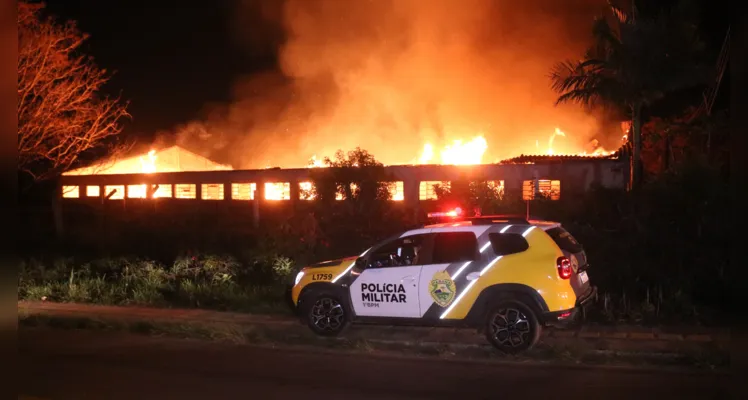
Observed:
{"x":633,"y":62}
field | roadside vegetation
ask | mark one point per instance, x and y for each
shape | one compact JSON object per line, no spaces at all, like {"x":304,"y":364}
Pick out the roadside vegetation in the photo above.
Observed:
{"x":201,"y":281}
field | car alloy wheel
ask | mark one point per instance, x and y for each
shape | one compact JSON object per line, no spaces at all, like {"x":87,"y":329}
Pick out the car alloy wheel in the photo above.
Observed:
{"x":510,"y":328}
{"x":327,"y":315}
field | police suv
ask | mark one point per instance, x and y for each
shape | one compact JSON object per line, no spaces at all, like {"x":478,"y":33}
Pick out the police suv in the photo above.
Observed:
{"x":506,"y":275}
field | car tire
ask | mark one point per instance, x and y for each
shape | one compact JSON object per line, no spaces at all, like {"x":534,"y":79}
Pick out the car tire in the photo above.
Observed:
{"x":512,"y":326}
{"x":325,"y":314}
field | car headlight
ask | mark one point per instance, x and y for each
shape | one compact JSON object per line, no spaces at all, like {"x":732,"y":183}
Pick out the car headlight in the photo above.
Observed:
{"x":298,"y":278}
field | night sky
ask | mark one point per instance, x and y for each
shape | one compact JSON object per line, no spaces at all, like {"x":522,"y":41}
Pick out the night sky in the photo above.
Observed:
{"x":168,"y":58}
{"x":171,"y":58}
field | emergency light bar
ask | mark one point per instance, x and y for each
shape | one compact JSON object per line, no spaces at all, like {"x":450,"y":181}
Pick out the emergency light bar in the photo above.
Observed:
{"x":455,"y":215}
{"x":448,"y":214}
{"x":499,"y":219}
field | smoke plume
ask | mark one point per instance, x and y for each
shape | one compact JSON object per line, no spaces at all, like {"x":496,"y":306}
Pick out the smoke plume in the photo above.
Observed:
{"x":391,"y":75}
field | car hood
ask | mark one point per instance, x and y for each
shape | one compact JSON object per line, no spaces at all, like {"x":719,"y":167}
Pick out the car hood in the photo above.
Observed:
{"x":333,"y":263}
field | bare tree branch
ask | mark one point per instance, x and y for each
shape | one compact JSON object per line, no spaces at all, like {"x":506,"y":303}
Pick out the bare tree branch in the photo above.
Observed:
{"x":61,"y":113}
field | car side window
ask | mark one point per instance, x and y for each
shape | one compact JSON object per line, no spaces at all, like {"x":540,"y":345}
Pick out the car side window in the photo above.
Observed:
{"x":504,"y":244}
{"x":409,"y":250}
{"x":564,"y":240}
{"x":450,"y":247}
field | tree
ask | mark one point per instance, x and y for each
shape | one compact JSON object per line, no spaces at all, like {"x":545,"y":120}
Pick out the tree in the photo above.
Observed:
{"x":634,"y":62}
{"x":61,"y":113}
{"x":364,"y":213}
{"x":356,"y":176}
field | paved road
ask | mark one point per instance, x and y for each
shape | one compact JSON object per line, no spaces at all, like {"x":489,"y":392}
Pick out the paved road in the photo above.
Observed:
{"x":96,"y":365}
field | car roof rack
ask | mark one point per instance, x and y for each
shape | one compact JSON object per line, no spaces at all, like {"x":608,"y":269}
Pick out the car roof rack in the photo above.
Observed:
{"x":514,"y":219}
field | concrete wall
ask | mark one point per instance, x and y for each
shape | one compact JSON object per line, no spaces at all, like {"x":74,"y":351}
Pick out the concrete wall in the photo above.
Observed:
{"x":576,"y":175}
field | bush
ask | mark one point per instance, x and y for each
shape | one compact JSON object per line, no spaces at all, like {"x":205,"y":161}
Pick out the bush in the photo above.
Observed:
{"x":283,"y":268}
{"x":207,"y":281}
{"x":657,"y":254}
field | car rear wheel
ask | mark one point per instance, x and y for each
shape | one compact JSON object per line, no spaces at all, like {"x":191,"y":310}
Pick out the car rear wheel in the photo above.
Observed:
{"x":326,"y":315}
{"x":512,"y":326}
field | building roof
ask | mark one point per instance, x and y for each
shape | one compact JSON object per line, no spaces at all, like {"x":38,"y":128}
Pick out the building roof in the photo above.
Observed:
{"x":538,"y":159}
{"x":170,"y":159}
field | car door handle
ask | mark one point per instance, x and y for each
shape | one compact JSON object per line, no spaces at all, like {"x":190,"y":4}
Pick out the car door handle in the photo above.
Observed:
{"x":408,"y":279}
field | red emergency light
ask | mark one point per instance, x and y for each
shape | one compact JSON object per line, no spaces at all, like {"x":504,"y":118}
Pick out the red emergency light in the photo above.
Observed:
{"x":448,"y":214}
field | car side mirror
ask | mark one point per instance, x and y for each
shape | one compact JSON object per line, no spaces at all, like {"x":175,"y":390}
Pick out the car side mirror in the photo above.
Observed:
{"x":361,"y":263}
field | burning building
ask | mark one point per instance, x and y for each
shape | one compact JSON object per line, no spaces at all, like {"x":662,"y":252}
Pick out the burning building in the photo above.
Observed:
{"x":434,"y":105}
{"x":175,"y":174}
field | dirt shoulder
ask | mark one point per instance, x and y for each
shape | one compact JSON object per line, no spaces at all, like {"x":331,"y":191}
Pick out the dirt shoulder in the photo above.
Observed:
{"x":685,"y":348}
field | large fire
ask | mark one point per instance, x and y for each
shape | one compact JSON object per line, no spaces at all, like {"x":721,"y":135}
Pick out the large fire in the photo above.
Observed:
{"x":472,"y":152}
{"x":458,"y":152}
{"x":406,"y":89}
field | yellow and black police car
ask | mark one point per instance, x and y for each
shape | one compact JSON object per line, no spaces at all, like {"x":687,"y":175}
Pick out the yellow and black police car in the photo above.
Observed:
{"x":506,"y":275}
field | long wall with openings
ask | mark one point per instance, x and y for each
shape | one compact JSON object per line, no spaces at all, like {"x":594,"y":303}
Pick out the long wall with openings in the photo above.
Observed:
{"x":410,"y":184}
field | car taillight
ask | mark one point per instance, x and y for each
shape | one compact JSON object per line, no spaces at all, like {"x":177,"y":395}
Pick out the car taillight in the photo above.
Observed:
{"x":563,"y":265}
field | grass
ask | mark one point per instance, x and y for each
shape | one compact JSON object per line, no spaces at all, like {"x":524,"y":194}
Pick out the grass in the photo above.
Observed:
{"x":705,"y":358}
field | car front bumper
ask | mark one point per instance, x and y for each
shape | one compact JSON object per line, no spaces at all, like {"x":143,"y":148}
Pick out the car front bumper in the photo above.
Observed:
{"x":288,"y":297}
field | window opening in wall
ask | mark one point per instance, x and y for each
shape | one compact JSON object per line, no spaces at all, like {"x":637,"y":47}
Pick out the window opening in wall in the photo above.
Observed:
{"x":547,"y":188}
{"x":497,"y":187}
{"x":243,"y":191}
{"x":136,"y":191}
{"x":427,"y":190}
{"x":306,"y":191}
{"x":71,"y":192}
{"x":339,"y":196}
{"x":93,"y":191}
{"x":277,"y":191}
{"x":162,"y":191}
{"x":211,"y":191}
{"x":114,"y":192}
{"x":185,"y":191}
{"x":397,"y":193}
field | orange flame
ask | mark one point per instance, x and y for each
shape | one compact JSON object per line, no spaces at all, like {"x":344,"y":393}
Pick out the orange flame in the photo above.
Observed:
{"x":149,"y":165}
{"x":314,"y":162}
{"x":558,"y":132}
{"x":457,"y":153}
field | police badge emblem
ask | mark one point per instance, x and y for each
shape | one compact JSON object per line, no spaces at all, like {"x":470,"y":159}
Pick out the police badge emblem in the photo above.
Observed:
{"x":442,"y":289}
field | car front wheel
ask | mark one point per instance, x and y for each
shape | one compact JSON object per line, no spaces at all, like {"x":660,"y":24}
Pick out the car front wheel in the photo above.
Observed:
{"x":326,"y":315}
{"x":512,"y":326}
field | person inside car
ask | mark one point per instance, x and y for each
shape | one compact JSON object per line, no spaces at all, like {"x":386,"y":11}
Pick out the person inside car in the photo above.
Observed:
{"x":416,"y":253}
